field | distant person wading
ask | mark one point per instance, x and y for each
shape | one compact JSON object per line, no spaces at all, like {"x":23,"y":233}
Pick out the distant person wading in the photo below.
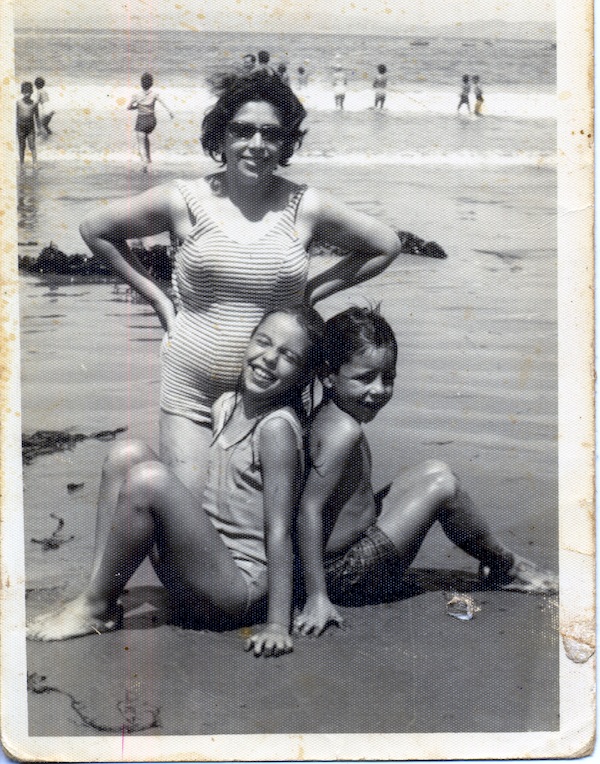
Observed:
{"x":145,"y":123}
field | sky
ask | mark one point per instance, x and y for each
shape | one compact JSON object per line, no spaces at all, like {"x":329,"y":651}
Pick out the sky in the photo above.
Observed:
{"x":385,"y":16}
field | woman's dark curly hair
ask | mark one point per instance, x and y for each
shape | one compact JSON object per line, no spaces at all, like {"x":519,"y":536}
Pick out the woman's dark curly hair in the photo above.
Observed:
{"x":234,"y":91}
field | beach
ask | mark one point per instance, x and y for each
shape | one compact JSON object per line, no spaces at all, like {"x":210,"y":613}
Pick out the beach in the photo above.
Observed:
{"x":476,"y":387}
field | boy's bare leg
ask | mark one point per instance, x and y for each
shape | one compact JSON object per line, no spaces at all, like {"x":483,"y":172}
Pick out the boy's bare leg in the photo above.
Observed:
{"x":431,"y":492}
{"x":142,"y":140}
{"x":31,"y":144}
{"x":413,"y":504}
{"x":153,"y":507}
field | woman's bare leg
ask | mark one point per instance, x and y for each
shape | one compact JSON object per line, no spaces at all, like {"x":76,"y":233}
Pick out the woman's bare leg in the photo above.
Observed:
{"x":153,"y":507}
{"x":184,"y":447}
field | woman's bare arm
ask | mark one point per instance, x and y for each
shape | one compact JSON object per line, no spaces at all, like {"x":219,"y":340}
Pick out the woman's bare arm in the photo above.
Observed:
{"x":108,"y":232}
{"x":371,"y":245}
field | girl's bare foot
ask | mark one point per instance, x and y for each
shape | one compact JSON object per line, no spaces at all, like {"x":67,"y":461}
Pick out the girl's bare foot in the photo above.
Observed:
{"x":74,"y":619}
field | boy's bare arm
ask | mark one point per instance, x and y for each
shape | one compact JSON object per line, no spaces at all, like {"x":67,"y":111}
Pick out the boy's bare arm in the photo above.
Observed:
{"x":331,"y":449}
{"x":280,"y":472}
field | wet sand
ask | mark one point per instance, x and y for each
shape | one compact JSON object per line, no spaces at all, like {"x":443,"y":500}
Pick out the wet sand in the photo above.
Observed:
{"x":477,"y":387}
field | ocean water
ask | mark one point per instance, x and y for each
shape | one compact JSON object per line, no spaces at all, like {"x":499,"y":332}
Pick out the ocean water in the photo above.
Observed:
{"x":91,"y":75}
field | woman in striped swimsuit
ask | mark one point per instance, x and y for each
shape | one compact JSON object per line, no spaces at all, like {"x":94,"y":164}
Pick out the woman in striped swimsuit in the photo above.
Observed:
{"x":243,"y":234}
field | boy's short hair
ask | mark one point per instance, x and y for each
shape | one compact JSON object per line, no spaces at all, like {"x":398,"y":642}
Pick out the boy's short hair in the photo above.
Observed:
{"x":26,"y":88}
{"x":351,"y":331}
{"x":382,"y":68}
{"x":263,"y":57}
{"x":146,"y":80}
{"x":39,"y":82}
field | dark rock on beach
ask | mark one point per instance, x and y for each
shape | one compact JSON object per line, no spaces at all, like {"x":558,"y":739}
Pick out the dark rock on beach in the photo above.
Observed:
{"x":158,"y":260}
{"x":49,"y":441}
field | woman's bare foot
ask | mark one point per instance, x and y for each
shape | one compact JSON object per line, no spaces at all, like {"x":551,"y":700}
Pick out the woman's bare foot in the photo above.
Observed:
{"x":522,"y":576}
{"x":74,"y":619}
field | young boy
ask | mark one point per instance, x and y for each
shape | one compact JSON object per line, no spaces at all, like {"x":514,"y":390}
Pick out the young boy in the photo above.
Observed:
{"x":345,"y":539}
{"x":380,"y":85}
{"x":43,"y":100}
{"x":464,"y":94}
{"x":28,"y":122}
{"x":478,"y":96}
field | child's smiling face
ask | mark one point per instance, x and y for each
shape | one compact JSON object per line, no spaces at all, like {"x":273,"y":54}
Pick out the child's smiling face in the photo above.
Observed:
{"x":276,"y":356}
{"x":365,"y":383}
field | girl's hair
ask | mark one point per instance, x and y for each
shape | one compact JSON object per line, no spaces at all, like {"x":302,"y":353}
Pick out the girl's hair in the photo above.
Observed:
{"x":147,"y":80}
{"x":26,"y":88}
{"x":39,"y":82}
{"x":382,"y":68}
{"x":235,"y":90}
{"x":353,"y":330}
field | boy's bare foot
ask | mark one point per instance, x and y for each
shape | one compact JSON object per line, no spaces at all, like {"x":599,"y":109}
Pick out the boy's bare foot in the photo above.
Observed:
{"x":74,"y":619}
{"x":522,"y":576}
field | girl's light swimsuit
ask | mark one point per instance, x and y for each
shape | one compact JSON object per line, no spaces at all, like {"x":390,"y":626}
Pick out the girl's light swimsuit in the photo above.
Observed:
{"x":222,"y":288}
{"x":233,"y":497}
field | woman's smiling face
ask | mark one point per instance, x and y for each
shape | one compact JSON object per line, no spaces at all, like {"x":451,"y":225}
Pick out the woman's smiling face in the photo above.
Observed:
{"x":253,"y":158}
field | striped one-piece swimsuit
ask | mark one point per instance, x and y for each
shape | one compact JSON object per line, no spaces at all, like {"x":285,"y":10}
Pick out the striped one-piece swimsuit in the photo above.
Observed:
{"x":222,"y":288}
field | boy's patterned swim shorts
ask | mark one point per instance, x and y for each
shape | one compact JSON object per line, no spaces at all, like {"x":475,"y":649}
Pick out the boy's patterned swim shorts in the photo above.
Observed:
{"x":361,"y":564}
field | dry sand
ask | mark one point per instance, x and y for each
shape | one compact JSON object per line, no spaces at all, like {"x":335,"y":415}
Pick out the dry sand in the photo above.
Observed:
{"x":477,"y":387}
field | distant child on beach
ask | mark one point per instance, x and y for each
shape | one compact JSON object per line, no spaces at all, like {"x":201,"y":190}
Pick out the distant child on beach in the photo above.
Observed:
{"x":222,"y":558}
{"x":43,"y":99}
{"x":380,"y":85}
{"x":302,"y":77}
{"x":478,"y":96}
{"x":348,"y":535}
{"x":339,"y":83}
{"x":248,"y":63}
{"x":145,"y":102}
{"x":28,"y":122}
{"x":464,"y":94}
{"x":263,"y":61}
{"x":282,"y":74}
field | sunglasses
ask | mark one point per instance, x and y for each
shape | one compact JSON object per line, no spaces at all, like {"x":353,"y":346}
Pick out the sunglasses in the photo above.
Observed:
{"x":245,"y":131}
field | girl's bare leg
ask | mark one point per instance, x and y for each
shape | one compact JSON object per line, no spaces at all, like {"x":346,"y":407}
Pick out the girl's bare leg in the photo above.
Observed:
{"x":184,"y":447}
{"x":153,"y":507}
{"x":121,"y":458}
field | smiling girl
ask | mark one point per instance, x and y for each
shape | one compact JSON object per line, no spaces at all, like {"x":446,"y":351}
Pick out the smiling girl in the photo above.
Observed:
{"x":220,"y":559}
